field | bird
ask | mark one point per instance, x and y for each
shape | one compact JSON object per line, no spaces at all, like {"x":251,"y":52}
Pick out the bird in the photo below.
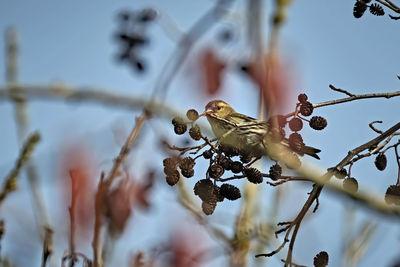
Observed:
{"x":249,"y":135}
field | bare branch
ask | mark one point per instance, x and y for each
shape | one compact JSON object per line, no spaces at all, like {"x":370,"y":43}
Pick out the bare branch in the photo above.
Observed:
{"x":357,"y":97}
{"x":340,"y":90}
{"x":371,"y":125}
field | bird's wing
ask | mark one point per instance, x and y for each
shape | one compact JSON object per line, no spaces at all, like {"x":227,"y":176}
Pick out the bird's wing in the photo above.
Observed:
{"x":244,"y":120}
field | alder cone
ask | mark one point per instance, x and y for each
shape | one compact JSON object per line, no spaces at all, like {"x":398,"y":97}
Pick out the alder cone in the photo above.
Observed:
{"x":321,"y":259}
{"x":381,"y":162}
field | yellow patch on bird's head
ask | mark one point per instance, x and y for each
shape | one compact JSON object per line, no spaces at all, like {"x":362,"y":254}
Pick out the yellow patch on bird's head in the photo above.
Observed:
{"x":219,"y":109}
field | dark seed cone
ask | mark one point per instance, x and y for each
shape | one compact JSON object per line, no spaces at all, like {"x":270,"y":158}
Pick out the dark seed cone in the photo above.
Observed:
{"x":229,"y":151}
{"x":318,"y":123}
{"x":173,"y":178}
{"x":296,"y":142}
{"x":230,"y":192}
{"x":245,"y":158}
{"x":210,"y":200}
{"x":321,"y":259}
{"x":295,"y":124}
{"x":215,"y":171}
{"x":179,"y":125}
{"x":207,"y":154}
{"x":178,"y":120}
{"x":224,"y":162}
{"x":203,"y":188}
{"x":217,"y":193}
{"x":392,"y":195}
{"x":381,"y":161}
{"x":350,"y":184}
{"x":275,"y":171}
{"x":147,"y":15}
{"x":187,"y":163}
{"x":170,"y":162}
{"x":236,"y":166}
{"x":170,"y":170}
{"x":359,"y":9}
{"x":180,"y":129}
{"x":195,"y":133}
{"x":376,"y":10}
{"x":306,"y":108}
{"x":253,"y":175}
{"x":208,"y":208}
{"x":302,"y":98}
{"x":192,"y":114}
{"x":187,"y":173}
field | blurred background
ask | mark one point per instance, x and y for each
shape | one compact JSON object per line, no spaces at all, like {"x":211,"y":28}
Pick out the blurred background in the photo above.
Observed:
{"x":73,"y":44}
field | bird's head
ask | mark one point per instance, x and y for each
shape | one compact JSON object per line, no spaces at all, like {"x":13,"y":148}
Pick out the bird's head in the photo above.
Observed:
{"x":218,"y":108}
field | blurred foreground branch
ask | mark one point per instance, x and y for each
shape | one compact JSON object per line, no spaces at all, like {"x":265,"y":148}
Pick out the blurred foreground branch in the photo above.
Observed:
{"x":10,"y":183}
{"x":22,"y":119}
{"x":82,"y":94}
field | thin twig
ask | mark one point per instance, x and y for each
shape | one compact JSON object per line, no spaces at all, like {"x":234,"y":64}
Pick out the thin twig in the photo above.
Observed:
{"x":398,"y":164}
{"x":357,"y":97}
{"x":371,"y":125}
{"x":341,"y":90}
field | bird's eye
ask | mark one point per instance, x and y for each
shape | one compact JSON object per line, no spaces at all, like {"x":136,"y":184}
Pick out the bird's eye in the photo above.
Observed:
{"x":219,"y":108}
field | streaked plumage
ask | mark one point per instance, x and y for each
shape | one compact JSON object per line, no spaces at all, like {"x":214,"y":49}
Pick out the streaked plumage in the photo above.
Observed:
{"x":247,"y":134}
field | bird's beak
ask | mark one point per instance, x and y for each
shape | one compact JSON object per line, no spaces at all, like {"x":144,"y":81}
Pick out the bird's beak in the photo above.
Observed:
{"x":205,"y":113}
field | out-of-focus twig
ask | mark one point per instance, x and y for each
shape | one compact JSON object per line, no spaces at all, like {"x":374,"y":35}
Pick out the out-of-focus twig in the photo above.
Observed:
{"x":104,"y":185}
{"x":84,"y":94}
{"x":185,"y":45}
{"x":241,"y":242}
{"x":359,"y":244}
{"x":10,"y":182}
{"x":47,"y":245}
{"x":2,"y":230}
{"x":21,"y":116}
{"x":71,"y":209}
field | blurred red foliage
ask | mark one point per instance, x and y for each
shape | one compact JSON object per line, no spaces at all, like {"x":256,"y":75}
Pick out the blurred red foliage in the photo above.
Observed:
{"x":275,"y":78}
{"x":212,"y":68}
{"x":187,"y":249}
{"x":124,"y":198}
{"x":78,"y":183}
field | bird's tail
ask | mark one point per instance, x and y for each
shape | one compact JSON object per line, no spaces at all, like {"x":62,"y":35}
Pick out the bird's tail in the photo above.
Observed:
{"x":311,"y":151}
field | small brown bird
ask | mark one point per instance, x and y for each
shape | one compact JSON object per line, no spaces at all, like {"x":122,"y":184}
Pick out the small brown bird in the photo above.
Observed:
{"x":247,"y":134}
